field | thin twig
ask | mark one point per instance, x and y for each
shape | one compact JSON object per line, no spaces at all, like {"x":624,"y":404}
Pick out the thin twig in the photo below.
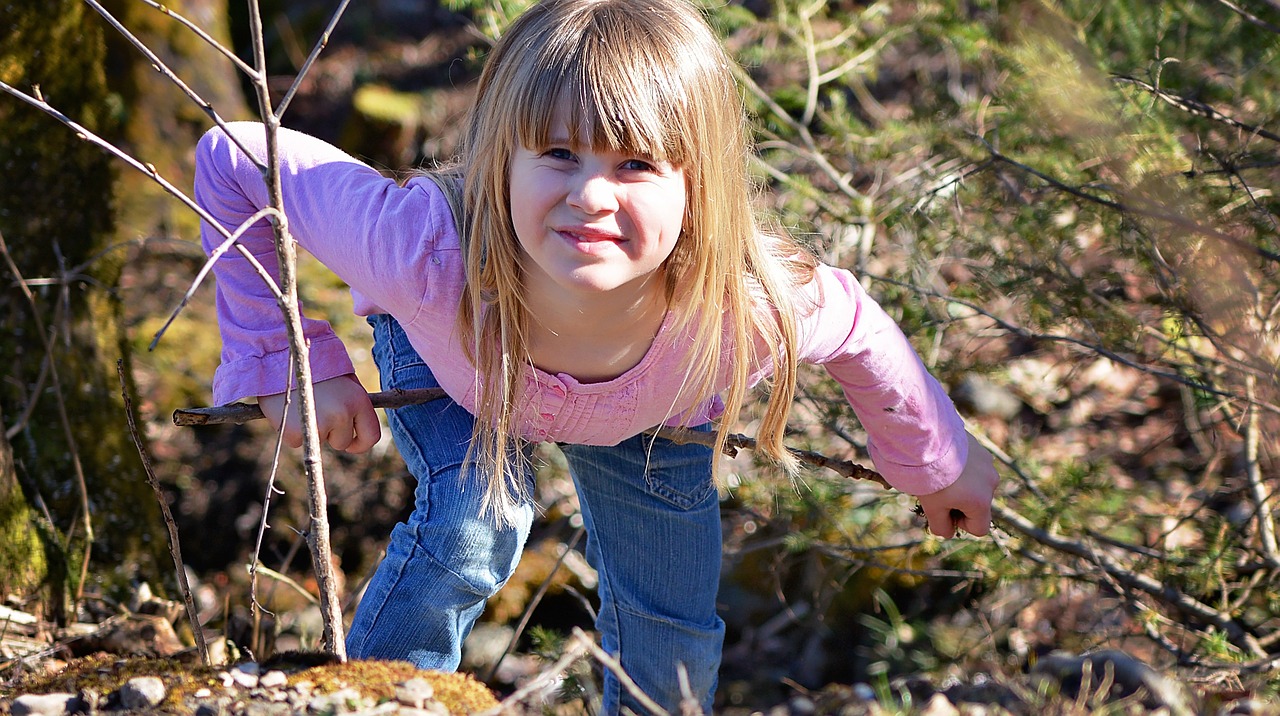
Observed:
{"x":175,"y":546}
{"x":200,"y":32}
{"x":60,"y":402}
{"x":1148,"y":209}
{"x":1253,"y":473}
{"x":1196,"y":107}
{"x":311,"y":58}
{"x":613,"y":665}
{"x":263,"y":524}
{"x":147,"y":169}
{"x":162,"y":68}
{"x":214,"y":255}
{"x":1072,"y":340}
{"x":1254,"y":19}
{"x":533,"y":604}
{"x":575,"y":651}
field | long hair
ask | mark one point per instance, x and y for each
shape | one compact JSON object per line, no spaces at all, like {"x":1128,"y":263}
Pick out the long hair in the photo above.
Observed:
{"x":647,"y":77}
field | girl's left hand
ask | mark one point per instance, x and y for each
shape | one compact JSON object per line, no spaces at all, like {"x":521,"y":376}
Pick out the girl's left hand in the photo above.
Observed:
{"x":964,"y":505}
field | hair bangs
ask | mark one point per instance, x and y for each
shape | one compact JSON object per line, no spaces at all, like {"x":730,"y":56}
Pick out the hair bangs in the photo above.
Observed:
{"x":618,"y":87}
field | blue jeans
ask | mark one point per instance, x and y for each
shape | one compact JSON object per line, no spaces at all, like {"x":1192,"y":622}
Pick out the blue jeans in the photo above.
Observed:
{"x":653,"y":534}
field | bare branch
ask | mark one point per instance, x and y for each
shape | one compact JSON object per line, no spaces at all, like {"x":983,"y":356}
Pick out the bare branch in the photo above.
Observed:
{"x":1254,"y":19}
{"x":311,"y":58}
{"x":287,"y":260}
{"x":208,"y":266}
{"x":1196,"y":107}
{"x":38,"y":102}
{"x":60,"y":401}
{"x":163,"y":69}
{"x":175,"y":547}
{"x":200,"y":32}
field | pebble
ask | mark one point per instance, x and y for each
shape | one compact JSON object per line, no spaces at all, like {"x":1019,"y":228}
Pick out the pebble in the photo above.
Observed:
{"x":415,"y":693}
{"x":272,"y":679}
{"x":44,"y":705}
{"x":245,"y":675}
{"x":142,"y":692}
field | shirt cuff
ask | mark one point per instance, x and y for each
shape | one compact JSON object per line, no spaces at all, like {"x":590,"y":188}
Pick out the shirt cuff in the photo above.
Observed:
{"x":269,"y":374}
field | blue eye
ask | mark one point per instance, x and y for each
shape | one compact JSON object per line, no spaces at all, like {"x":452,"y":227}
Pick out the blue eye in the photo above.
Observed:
{"x":638,"y":165}
{"x":558,"y":153}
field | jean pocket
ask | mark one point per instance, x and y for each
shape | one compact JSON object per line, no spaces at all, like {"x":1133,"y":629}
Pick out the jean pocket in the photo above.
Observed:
{"x":678,"y":474}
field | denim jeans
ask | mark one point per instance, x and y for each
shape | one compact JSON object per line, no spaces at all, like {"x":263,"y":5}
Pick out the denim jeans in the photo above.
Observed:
{"x":653,"y":535}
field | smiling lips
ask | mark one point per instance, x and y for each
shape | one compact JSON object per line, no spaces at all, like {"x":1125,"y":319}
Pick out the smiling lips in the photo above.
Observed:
{"x":585,"y":238}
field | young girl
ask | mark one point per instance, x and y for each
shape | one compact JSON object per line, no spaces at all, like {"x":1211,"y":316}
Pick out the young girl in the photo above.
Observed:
{"x":592,"y":268}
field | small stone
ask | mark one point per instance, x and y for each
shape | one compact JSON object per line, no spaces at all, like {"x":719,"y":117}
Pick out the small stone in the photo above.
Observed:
{"x":44,"y":705}
{"x":939,"y":705}
{"x":243,"y":678}
{"x":801,"y":706}
{"x":211,"y":708}
{"x":202,"y":693}
{"x":415,"y":692}
{"x":142,"y":692}
{"x":273,"y":679}
{"x":864,"y":692}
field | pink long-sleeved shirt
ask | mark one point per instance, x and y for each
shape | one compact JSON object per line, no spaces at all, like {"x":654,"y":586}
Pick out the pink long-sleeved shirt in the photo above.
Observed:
{"x":398,"y":249}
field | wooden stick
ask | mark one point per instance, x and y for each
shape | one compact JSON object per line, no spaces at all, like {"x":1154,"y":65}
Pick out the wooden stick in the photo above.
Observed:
{"x":241,"y":413}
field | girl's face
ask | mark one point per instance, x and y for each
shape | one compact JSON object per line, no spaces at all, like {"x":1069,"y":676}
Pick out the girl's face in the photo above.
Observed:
{"x":593,"y":221}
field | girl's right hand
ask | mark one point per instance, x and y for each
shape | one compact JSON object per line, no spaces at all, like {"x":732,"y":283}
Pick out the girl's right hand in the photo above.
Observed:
{"x":344,"y":415}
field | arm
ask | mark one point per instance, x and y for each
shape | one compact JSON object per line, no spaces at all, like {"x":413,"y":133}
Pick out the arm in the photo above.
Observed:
{"x":377,"y":236}
{"x":917,"y":439}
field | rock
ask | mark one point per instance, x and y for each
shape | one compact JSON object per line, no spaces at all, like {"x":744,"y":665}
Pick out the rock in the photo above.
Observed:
{"x":44,"y":705}
{"x":212,"y":708}
{"x":244,"y":675}
{"x":415,"y":693}
{"x":142,"y":692}
{"x":1127,"y":676}
{"x":272,"y":679}
{"x":939,"y":705}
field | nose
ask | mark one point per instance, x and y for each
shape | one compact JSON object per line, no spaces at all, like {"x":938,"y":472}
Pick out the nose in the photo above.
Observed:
{"x":593,"y":192}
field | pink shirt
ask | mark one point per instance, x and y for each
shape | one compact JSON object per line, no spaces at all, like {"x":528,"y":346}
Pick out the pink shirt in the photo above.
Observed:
{"x":398,"y":249}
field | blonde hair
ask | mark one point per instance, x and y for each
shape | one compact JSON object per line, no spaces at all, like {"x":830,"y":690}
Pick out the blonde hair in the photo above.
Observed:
{"x":648,"y":77}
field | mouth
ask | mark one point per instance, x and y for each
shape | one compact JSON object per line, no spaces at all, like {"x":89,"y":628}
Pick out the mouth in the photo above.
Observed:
{"x":581,"y":234}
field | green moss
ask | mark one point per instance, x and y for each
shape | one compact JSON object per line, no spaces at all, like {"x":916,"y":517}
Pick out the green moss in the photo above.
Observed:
{"x":104,"y":673}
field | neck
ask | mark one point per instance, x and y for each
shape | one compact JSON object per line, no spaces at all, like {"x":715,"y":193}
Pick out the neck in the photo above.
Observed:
{"x":596,"y":336}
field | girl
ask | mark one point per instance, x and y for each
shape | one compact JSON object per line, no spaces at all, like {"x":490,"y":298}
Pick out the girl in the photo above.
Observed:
{"x":591,"y":269}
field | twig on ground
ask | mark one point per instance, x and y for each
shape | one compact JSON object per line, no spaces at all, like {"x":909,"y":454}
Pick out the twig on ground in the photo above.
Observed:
{"x":175,"y":546}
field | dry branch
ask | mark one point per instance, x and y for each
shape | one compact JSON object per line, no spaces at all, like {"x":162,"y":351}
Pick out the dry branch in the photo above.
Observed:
{"x":175,"y":547}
